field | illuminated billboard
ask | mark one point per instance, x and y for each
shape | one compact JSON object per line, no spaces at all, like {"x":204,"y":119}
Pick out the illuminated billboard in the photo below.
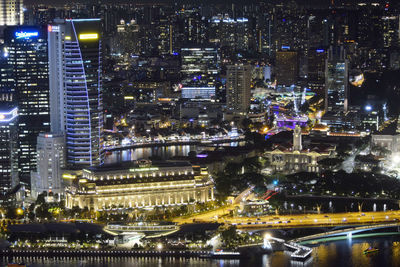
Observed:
{"x":88,"y":36}
{"x":7,"y":116}
{"x":26,"y":35}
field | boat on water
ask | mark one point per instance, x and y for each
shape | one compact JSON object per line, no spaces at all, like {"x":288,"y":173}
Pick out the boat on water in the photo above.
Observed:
{"x":370,"y":250}
{"x":16,"y":265}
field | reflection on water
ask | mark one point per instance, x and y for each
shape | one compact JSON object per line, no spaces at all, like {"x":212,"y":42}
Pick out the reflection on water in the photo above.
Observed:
{"x":164,"y":152}
{"x":350,"y":253}
{"x":345,"y":253}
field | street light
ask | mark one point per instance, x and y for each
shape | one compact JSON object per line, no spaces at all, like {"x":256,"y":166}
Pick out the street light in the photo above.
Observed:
{"x":19,"y":211}
{"x":266,"y":243}
{"x":159,"y":246}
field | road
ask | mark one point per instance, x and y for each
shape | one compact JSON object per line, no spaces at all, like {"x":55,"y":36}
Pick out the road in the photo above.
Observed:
{"x":292,"y":221}
{"x":313,"y":220}
{"x":210,"y":216}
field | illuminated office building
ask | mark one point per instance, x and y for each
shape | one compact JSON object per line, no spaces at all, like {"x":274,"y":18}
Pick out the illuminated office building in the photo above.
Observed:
{"x":336,"y":81}
{"x":11,"y":12}
{"x":238,"y":82}
{"x":316,"y":70}
{"x":200,"y":69}
{"x":50,"y":160}
{"x":287,"y":67}
{"x":142,"y":184}
{"x":8,"y":149}
{"x":229,"y":32}
{"x":76,"y":88}
{"x":27,"y":77}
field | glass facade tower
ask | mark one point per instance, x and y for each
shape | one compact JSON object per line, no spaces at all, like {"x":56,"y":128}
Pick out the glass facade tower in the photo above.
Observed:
{"x":76,"y":89}
{"x":28,"y":80}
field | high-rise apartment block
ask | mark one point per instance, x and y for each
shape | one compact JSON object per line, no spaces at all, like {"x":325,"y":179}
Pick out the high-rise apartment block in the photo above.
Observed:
{"x":238,"y":84}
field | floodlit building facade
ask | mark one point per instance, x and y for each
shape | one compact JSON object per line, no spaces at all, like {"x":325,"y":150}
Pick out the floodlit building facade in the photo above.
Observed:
{"x":141,"y":185}
{"x":50,"y":160}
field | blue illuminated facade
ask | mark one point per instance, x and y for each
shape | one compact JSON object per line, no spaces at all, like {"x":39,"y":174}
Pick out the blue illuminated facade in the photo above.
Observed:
{"x":8,"y":149}
{"x":76,"y":95}
{"x":26,"y":35}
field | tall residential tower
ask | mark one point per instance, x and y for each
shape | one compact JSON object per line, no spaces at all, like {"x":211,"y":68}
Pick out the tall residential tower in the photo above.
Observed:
{"x":238,"y":82}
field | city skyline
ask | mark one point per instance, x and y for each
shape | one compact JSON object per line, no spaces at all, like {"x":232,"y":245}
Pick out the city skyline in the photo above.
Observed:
{"x":243,"y":133}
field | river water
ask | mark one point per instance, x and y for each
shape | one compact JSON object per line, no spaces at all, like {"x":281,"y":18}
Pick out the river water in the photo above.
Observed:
{"x":344,"y":253}
{"x":164,"y":152}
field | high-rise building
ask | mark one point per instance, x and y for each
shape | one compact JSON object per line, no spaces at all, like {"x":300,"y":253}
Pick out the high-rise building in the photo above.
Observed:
{"x":287,"y":67}
{"x":11,"y":12}
{"x":50,"y":160}
{"x":231,"y":33}
{"x":28,"y":79}
{"x":76,"y":88}
{"x":165,"y":32}
{"x":7,"y":88}
{"x":391,"y":31}
{"x":336,"y":80}
{"x":125,"y":40}
{"x":200,"y":69}
{"x":8,"y":149}
{"x":316,"y":70}
{"x":238,"y":84}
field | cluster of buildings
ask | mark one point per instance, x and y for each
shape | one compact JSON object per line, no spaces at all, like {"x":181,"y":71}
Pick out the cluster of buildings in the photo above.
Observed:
{"x":68,"y":73}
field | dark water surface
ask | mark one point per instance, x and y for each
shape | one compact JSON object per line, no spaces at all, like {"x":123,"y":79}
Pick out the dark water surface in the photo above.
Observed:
{"x":342,"y":253}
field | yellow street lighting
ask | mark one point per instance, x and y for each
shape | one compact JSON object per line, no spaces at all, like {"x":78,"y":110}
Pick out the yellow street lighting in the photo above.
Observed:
{"x":20,"y":211}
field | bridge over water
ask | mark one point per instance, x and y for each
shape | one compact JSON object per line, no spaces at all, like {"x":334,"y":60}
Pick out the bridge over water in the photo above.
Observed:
{"x":347,"y":232}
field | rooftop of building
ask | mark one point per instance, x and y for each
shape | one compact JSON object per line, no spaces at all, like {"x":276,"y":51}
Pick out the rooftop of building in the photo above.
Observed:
{"x":138,"y":164}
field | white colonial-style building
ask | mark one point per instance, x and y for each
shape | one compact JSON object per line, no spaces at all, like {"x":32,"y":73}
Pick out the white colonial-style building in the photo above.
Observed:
{"x":141,"y":185}
{"x":292,"y":158}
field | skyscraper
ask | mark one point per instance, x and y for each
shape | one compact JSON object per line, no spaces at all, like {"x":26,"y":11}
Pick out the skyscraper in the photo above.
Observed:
{"x":316,"y":70}
{"x":238,"y":87}
{"x":336,"y":80}
{"x":11,"y":12}
{"x":50,"y":160}
{"x":76,"y":88}
{"x":287,"y":67}
{"x":200,"y":68}
{"x":27,"y":77}
{"x":8,"y":149}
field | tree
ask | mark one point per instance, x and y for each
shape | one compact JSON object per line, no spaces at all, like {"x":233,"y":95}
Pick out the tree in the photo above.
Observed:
{"x":42,"y":212}
{"x":229,"y":236}
{"x":330,"y":163}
